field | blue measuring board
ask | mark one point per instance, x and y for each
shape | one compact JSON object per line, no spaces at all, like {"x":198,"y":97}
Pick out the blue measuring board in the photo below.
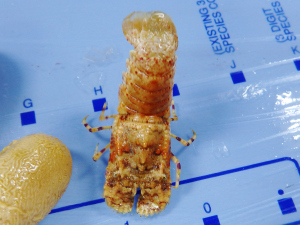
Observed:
{"x":236,"y":84}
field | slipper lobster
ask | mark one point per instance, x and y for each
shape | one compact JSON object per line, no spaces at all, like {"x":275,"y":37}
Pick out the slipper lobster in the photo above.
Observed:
{"x":140,"y":146}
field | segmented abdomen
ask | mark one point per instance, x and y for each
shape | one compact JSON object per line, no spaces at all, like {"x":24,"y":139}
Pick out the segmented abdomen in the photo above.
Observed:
{"x":148,"y":81}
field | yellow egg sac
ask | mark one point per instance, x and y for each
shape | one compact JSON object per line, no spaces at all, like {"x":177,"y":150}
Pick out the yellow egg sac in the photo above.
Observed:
{"x":34,"y":173}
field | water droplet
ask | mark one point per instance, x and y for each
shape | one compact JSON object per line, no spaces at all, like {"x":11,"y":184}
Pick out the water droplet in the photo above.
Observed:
{"x":220,"y":150}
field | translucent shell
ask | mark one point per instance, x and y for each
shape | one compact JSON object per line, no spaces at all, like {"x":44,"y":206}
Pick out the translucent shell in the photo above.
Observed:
{"x":153,"y":59}
{"x":139,"y":27}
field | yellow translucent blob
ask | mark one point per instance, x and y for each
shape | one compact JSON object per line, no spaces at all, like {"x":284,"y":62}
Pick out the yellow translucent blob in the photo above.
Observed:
{"x":34,"y":173}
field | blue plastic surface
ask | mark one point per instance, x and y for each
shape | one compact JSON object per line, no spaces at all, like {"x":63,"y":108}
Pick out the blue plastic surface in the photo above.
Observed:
{"x":237,"y":85}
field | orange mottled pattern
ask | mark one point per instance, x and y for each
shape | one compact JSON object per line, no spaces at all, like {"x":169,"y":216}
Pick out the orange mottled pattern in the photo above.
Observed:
{"x":140,"y":157}
{"x":140,"y":146}
{"x":140,"y":141}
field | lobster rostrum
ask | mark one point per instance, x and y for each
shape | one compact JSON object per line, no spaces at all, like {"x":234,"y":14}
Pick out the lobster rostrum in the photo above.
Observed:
{"x":140,"y":146}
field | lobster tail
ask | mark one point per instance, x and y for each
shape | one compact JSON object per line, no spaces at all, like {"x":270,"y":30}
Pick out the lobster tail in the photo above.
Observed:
{"x":140,"y":27}
{"x":147,"y":84}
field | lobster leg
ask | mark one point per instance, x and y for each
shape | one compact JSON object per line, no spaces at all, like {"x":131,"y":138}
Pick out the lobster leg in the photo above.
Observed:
{"x":97,"y":154}
{"x":174,"y":118}
{"x":94,"y":129}
{"x":185,"y":143}
{"x":178,"y":169}
{"x":102,"y":117}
